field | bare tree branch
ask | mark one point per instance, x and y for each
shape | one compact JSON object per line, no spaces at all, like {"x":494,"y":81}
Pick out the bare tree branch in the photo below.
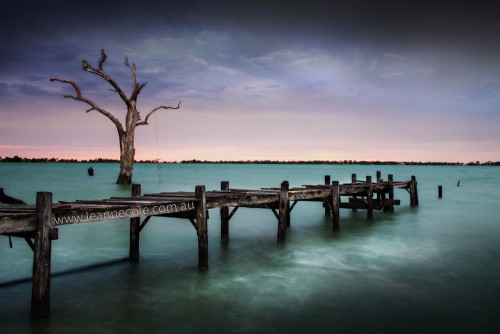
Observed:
{"x":100,"y":72}
{"x":145,"y":122}
{"x":102,"y":60}
{"x":80,"y":97}
{"x":136,"y":87}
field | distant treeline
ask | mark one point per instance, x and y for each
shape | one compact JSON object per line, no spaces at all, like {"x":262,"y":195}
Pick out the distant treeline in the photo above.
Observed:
{"x":263,"y":162}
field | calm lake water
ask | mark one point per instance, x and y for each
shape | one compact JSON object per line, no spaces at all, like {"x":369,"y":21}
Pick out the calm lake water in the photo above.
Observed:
{"x":431,"y":269}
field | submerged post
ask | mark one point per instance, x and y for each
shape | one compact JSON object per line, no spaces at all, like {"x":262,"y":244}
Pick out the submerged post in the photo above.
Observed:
{"x":40,"y":295}
{"x":135,"y":227}
{"x":283,"y":212}
{"x":440,"y":191}
{"x":413,"y":191}
{"x":224,"y":215}
{"x":369,"y":197}
{"x":201,"y":226}
{"x":335,"y":206}
{"x":326,"y":203}
{"x":353,"y":180}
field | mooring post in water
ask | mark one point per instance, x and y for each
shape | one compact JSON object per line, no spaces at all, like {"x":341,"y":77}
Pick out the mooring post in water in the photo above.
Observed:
{"x":413,"y":191}
{"x":353,"y":180}
{"x":40,"y":296}
{"x":326,"y":203}
{"x":135,"y":228}
{"x":224,"y":215}
{"x":390,"y":179}
{"x":440,"y":191}
{"x":201,"y":226}
{"x":283,"y":212}
{"x":335,"y":206}
{"x":369,"y":197}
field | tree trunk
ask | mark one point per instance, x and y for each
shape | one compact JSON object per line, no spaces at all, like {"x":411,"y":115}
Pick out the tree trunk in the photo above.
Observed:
{"x":127,"y":152}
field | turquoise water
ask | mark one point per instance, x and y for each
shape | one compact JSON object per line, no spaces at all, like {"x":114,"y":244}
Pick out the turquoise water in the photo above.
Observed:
{"x":431,"y":269}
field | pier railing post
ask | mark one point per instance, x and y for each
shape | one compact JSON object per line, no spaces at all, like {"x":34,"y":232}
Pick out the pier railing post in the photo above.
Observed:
{"x":335,"y":206}
{"x":326,"y":203}
{"x":224,"y":215}
{"x":135,"y":227}
{"x":283,"y":212}
{"x":390,"y":178}
{"x":201,"y":227}
{"x":353,"y":180}
{"x":413,"y":191}
{"x":369,"y":197}
{"x":40,"y":296}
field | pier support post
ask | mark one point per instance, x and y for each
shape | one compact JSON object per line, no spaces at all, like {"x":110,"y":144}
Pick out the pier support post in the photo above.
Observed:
{"x":390,"y":178}
{"x":353,"y":180}
{"x":288,"y":211}
{"x":135,"y":227}
{"x":224,"y":215}
{"x":201,"y":226}
{"x":326,"y":203}
{"x":413,"y":191}
{"x":369,"y":197}
{"x":379,"y":180}
{"x":335,"y":206}
{"x":283,"y":212}
{"x":40,"y":295}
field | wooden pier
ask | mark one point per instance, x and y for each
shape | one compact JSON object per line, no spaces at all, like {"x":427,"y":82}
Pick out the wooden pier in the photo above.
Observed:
{"x":37,"y":224}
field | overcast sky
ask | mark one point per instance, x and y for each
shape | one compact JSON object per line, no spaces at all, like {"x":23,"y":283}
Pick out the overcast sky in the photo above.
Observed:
{"x":288,"y":80}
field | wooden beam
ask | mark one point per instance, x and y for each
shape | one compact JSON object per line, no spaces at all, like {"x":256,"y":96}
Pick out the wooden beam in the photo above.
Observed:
{"x":201,"y":226}
{"x":40,"y":296}
{"x":335,"y":206}
{"x":135,"y":228}
{"x":283,"y":212}
{"x":224,"y":215}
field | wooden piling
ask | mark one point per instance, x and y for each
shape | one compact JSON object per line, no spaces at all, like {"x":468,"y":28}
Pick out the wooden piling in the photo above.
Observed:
{"x":440,"y":191}
{"x":413,"y":192}
{"x":135,"y":228}
{"x":224,"y":215}
{"x":40,"y":296}
{"x":283,"y":212}
{"x":201,"y":226}
{"x":288,"y":211}
{"x":369,"y":197}
{"x":379,"y":180}
{"x":353,"y":180}
{"x":390,"y":179}
{"x":335,"y":206}
{"x":326,"y":203}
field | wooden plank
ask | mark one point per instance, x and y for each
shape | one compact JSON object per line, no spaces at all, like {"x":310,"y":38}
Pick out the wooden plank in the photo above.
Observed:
{"x":40,"y":295}
{"x":201,"y":226}
{"x":18,"y":224}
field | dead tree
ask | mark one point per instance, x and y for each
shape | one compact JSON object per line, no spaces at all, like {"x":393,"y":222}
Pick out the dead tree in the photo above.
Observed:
{"x":132,"y":119}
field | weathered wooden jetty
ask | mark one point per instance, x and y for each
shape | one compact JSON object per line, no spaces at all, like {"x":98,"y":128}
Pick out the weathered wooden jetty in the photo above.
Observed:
{"x":38,"y":223}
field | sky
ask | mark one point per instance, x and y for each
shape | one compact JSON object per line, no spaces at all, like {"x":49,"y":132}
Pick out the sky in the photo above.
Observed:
{"x":278,"y":80}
